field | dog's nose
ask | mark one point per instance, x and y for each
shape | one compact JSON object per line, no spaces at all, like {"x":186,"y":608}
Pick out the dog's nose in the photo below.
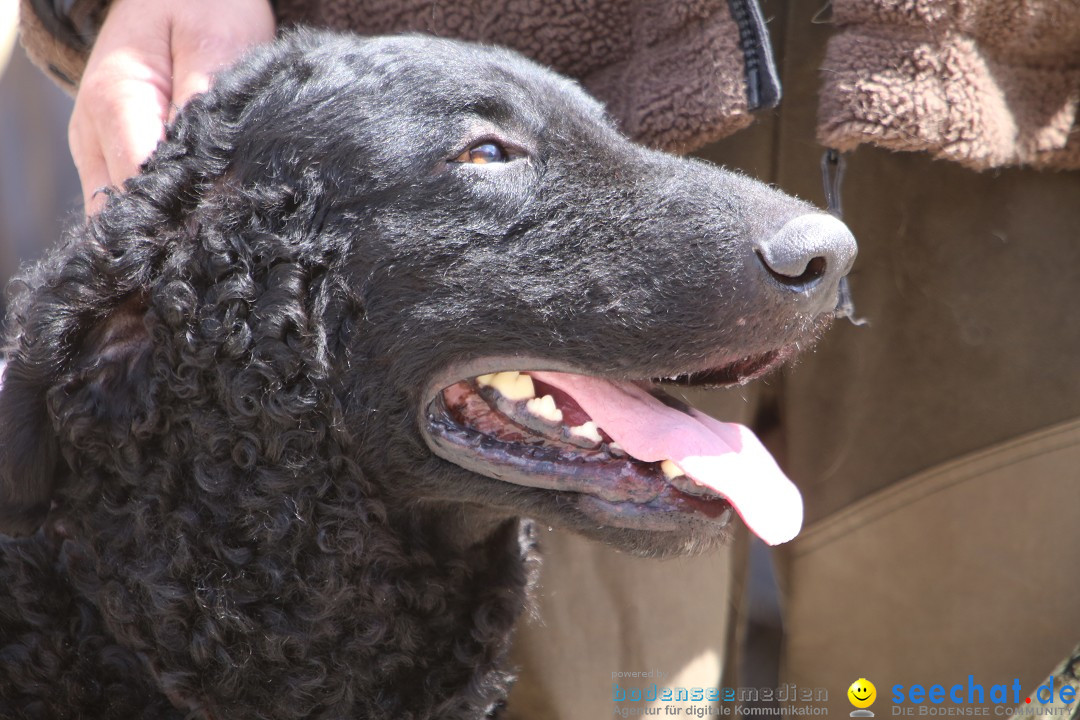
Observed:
{"x":808,"y":256}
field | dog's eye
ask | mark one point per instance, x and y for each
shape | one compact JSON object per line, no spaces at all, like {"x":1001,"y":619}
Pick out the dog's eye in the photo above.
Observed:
{"x":484,"y":153}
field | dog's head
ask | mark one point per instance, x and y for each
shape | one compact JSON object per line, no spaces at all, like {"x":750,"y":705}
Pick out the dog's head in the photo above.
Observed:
{"x":445,"y":260}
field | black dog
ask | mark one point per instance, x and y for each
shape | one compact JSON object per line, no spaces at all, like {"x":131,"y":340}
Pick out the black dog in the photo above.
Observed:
{"x":263,"y":422}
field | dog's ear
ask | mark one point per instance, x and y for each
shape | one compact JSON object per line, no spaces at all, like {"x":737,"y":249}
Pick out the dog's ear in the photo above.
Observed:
{"x":85,"y":394}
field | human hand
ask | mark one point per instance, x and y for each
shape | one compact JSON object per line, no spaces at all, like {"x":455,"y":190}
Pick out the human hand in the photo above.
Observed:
{"x":149,"y":58}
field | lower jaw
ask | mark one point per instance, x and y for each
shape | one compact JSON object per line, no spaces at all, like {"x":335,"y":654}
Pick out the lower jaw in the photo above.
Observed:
{"x":621,"y":494}
{"x":612,"y":492}
{"x":675,"y":512}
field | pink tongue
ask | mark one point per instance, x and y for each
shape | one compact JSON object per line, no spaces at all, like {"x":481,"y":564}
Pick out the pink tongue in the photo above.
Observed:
{"x":725,"y":457}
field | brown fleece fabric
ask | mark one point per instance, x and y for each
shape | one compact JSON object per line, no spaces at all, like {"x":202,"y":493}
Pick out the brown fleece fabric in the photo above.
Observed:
{"x":986,"y":83}
{"x":671,"y":73}
{"x":60,"y":60}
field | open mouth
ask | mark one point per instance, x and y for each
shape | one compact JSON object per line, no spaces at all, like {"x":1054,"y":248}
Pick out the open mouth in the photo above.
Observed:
{"x":626,"y":453}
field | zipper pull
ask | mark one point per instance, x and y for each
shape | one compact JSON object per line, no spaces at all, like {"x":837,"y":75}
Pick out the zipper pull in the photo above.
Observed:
{"x":832,"y":175}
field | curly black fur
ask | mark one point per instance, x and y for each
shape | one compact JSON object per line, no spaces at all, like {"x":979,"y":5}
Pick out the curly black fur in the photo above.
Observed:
{"x":209,"y":417}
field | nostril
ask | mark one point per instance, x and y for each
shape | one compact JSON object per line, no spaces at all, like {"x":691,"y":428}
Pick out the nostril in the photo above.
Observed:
{"x":809,"y":252}
{"x":808,"y":278}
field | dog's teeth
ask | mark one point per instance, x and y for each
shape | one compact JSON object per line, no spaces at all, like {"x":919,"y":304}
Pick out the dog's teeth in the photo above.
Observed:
{"x":491,"y":379}
{"x":588,"y":431}
{"x":616,"y":449}
{"x":545,"y":408}
{"x":524,"y":388}
{"x":511,"y":385}
{"x":670,"y":469}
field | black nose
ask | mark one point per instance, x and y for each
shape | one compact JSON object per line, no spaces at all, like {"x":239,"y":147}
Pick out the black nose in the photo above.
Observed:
{"x":808,"y":256}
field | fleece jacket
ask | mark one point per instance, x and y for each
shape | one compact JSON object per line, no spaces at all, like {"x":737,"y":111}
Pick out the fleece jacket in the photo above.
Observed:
{"x":675,"y":75}
{"x":986,"y":83}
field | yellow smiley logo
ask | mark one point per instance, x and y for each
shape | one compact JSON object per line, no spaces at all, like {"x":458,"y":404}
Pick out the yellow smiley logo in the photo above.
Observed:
{"x":862,"y":693}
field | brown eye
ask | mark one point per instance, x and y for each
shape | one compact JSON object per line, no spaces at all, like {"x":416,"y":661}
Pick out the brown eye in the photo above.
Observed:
{"x":486,"y":152}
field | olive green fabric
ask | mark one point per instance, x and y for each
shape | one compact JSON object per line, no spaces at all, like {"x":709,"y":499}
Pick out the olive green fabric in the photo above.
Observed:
{"x":968,"y":281}
{"x":960,"y":395}
{"x":603,"y":615}
{"x":967,"y":569}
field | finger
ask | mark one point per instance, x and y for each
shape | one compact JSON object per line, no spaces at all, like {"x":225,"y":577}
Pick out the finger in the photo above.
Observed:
{"x":123,"y":98}
{"x":132,"y":127}
{"x":194,"y":67}
{"x":86,"y":157}
{"x":94,"y":178}
{"x":199,"y":51}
